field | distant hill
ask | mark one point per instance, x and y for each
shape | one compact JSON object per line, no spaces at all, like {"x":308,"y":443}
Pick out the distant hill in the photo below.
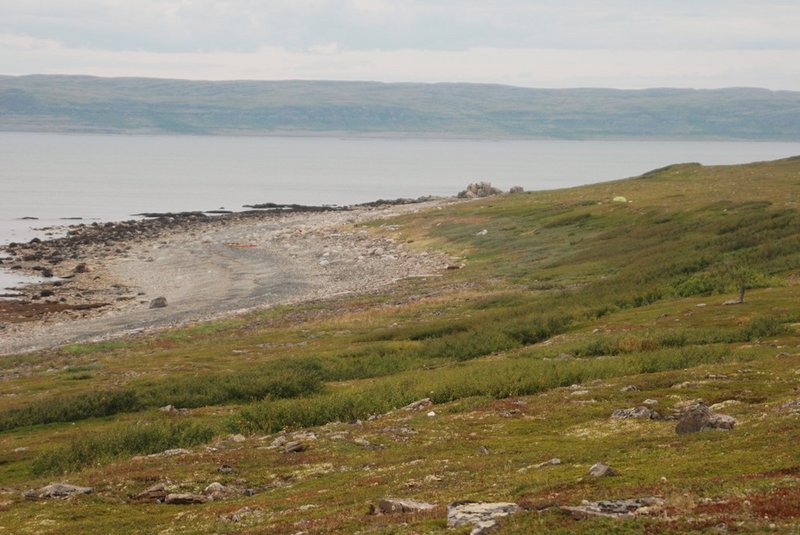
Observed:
{"x":145,"y":105}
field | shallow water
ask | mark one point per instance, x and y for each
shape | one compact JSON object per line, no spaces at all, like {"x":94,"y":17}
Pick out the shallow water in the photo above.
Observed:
{"x":107,"y":177}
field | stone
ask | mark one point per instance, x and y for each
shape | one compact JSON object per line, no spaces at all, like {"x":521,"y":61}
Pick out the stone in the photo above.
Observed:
{"x":392,"y":505}
{"x":57,"y":490}
{"x":171,"y":453}
{"x":482,"y":516}
{"x":158,"y":302}
{"x":601,"y":469}
{"x":184,"y":499}
{"x":550,"y":462}
{"x":225,"y":469}
{"x":81,"y":268}
{"x":615,"y":508}
{"x":479,"y":190}
{"x":216,"y":491}
{"x":294,"y":447}
{"x":516,"y":189}
{"x":156,"y":493}
{"x":641,"y":412}
{"x":237,"y":438}
{"x":419,"y":405}
{"x":792,"y":407}
{"x":699,"y":417}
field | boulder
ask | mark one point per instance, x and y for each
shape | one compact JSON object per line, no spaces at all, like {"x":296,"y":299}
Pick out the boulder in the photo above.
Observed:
{"x":216,"y":491}
{"x":184,"y":499}
{"x":418,"y":405}
{"x":550,"y":462}
{"x":641,"y":412}
{"x":482,"y":516}
{"x":156,"y":493}
{"x":158,"y":302}
{"x":294,"y":447}
{"x":516,"y":189}
{"x":57,"y":490}
{"x":700,"y":418}
{"x":393,"y":505}
{"x":601,"y":469}
{"x":479,"y":189}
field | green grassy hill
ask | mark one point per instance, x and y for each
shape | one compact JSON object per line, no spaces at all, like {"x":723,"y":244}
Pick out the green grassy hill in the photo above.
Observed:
{"x":565,"y":299}
{"x":146,"y":105}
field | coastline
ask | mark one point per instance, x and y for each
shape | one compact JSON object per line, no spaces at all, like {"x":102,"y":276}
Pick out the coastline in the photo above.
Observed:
{"x":103,"y":277}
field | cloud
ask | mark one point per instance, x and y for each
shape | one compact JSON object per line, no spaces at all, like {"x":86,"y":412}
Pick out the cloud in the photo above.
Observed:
{"x":554,"y":43}
{"x":519,"y":66}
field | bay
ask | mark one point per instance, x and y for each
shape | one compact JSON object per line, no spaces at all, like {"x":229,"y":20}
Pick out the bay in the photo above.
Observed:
{"x":52,"y":177}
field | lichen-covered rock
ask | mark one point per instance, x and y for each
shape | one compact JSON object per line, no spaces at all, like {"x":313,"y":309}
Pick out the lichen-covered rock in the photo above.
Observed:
{"x":615,"y":508}
{"x":184,"y":499}
{"x":641,"y":412}
{"x":601,"y":469}
{"x":393,"y":505}
{"x":479,"y":189}
{"x":482,"y":516}
{"x":57,"y":490}
{"x":699,"y":417}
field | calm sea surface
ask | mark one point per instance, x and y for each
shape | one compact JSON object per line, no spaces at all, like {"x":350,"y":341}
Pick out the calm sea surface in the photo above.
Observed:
{"x":105,"y":177}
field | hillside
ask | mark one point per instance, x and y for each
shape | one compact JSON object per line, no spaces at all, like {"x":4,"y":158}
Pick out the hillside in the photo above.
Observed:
{"x":141,"y":105}
{"x":570,"y":305}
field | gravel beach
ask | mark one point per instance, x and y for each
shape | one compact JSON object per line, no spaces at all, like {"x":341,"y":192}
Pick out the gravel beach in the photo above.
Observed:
{"x":105,"y":278}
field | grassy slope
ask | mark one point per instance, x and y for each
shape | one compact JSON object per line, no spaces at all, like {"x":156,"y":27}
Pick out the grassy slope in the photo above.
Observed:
{"x":146,"y":105}
{"x":619,"y":287}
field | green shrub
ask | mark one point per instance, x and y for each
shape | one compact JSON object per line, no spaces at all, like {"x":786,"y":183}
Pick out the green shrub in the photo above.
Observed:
{"x":139,"y":439}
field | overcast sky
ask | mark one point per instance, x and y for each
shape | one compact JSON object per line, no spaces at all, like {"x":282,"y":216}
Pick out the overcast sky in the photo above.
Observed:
{"x":535,"y":43}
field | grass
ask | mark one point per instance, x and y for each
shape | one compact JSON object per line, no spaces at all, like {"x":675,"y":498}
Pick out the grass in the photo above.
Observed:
{"x":565,"y":288}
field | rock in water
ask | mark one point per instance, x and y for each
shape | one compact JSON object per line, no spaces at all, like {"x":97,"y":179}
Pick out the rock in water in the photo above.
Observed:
{"x":601,"y":470}
{"x":483,"y":516}
{"x":158,"y":302}
{"x":392,"y":505}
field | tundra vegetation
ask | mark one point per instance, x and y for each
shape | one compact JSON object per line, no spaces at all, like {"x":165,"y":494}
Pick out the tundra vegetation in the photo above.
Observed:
{"x":567,"y":307}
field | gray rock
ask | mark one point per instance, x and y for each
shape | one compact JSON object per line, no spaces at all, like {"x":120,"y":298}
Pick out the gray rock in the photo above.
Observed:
{"x":792,"y":407}
{"x":550,"y":462}
{"x":699,"y":417}
{"x":479,"y":189}
{"x":216,"y":491}
{"x":601,"y":469}
{"x":57,"y":490}
{"x":156,"y":493}
{"x":158,"y":302}
{"x":184,"y":499}
{"x":393,"y":505}
{"x":418,"y":405}
{"x":482,"y":516}
{"x":636,"y":413}
{"x":516,"y":189}
{"x":614,"y":508}
{"x":294,"y":447}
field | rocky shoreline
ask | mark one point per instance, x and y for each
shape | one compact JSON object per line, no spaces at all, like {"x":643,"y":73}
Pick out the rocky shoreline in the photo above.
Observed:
{"x":105,"y":270}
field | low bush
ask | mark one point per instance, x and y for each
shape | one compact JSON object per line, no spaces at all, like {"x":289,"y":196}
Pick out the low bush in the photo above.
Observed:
{"x":139,"y":439}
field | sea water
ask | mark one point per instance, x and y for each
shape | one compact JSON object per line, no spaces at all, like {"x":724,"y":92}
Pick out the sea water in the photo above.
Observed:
{"x":63,"y":179}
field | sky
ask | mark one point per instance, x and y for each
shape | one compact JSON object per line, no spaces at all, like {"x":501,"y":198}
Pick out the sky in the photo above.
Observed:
{"x":534,"y":43}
